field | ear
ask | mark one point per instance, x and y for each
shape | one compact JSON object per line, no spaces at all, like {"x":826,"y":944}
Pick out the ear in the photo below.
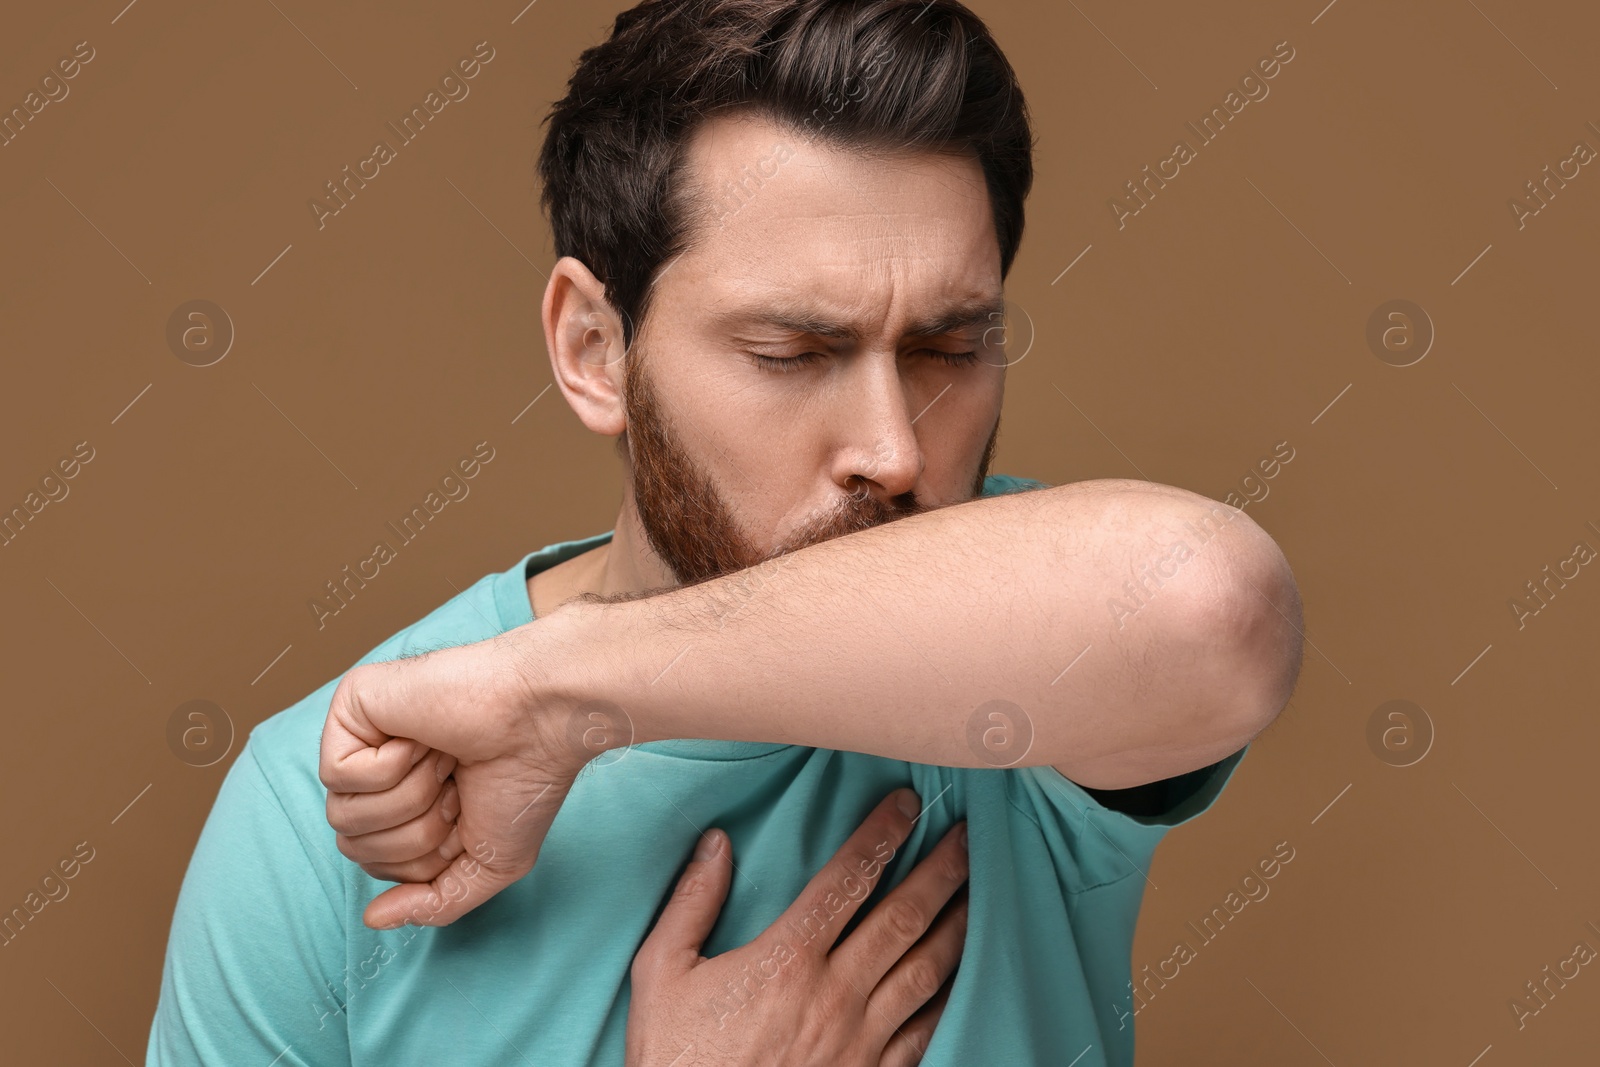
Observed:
{"x":583,"y":333}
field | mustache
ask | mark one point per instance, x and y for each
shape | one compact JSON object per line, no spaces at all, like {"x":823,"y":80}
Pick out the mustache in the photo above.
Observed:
{"x":852,"y":514}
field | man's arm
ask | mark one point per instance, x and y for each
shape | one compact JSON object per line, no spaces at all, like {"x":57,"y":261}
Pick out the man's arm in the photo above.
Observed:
{"x":1137,"y":631}
{"x":1122,"y":632}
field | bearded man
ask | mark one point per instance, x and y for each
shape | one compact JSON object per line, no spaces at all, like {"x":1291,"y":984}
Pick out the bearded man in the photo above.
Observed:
{"x":872,"y":694}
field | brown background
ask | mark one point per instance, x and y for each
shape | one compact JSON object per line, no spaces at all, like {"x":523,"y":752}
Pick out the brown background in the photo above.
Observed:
{"x":1227,"y":316}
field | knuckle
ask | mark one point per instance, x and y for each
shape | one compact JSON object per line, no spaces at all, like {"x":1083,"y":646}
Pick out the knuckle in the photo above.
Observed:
{"x":801,"y":970}
{"x":834,"y":997}
{"x":917,"y":1040}
{"x":690,"y":887}
{"x":904,"y":918}
{"x":922,"y":978}
{"x":644,"y":964}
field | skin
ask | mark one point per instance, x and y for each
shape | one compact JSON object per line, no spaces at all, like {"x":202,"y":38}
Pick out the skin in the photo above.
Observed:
{"x":839,"y":450}
{"x":797,"y":995}
{"x":891,"y":603}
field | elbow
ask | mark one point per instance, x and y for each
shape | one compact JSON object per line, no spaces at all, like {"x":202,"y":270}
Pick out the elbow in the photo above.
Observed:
{"x":1228,"y":658}
{"x":1256,"y":620}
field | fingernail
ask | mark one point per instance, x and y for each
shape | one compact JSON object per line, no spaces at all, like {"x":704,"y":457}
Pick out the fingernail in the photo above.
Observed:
{"x":707,"y":848}
{"x":908,"y":803}
{"x":452,"y":804}
{"x":439,"y":769}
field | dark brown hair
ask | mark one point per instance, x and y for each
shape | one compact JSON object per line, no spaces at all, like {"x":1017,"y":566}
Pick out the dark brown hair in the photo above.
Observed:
{"x":879,"y":76}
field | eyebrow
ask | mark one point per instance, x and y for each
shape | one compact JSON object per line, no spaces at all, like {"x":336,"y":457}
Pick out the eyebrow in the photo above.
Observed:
{"x":799,"y":320}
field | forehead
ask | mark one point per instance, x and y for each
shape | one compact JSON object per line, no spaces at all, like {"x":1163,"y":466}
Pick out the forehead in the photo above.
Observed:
{"x":877,"y":239}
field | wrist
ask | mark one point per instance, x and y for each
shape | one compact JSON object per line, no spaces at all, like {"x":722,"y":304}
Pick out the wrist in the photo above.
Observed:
{"x":571,"y":698}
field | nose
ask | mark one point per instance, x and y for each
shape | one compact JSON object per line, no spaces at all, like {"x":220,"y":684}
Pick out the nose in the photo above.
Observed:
{"x":880,"y":455}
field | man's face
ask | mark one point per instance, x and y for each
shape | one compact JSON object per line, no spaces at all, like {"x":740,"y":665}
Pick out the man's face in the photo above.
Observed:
{"x":879,"y":280}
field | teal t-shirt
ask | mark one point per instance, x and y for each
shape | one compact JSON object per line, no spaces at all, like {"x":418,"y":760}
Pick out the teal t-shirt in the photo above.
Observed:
{"x":268,"y":961}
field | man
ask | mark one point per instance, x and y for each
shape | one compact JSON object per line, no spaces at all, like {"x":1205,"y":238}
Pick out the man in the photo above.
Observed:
{"x":783,"y":229}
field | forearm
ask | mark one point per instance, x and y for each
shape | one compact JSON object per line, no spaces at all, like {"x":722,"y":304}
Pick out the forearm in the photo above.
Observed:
{"x":888,"y":641}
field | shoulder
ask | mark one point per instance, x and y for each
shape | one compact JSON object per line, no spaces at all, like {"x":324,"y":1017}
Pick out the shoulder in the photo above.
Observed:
{"x":287,"y":745}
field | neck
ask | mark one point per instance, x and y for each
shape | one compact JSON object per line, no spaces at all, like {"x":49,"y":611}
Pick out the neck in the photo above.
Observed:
{"x":622,"y":568}
{"x":631,"y":565}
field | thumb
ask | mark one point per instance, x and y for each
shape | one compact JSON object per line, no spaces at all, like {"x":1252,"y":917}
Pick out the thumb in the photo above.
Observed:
{"x":461,"y":887}
{"x":693,"y":908}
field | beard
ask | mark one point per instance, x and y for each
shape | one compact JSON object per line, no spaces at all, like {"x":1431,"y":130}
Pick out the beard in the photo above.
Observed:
{"x":686,"y":520}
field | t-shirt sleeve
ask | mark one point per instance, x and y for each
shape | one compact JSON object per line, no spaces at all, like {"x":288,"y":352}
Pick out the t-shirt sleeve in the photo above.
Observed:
{"x":1096,"y":845}
{"x":255,"y":962}
{"x":1182,"y":797}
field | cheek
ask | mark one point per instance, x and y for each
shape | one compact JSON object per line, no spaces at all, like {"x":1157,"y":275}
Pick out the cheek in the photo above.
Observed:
{"x":754,"y":452}
{"x":954,"y":445}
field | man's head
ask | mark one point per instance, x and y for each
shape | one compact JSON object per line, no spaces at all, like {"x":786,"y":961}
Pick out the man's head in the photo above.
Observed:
{"x":833,"y":183}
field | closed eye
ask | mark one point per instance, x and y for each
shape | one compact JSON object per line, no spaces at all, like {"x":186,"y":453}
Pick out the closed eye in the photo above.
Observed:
{"x":788,"y":364}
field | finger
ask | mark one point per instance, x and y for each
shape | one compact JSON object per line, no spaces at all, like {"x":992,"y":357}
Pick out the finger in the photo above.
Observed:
{"x":357,"y":759}
{"x":440,"y":901}
{"x":922,"y":971}
{"x":674,"y":944}
{"x":909,"y":1043}
{"x":424,"y":868}
{"x":894,"y":925}
{"x":465,"y":700}
{"x":833,"y":896}
{"x":355,"y":814}
{"x":410,"y":840}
